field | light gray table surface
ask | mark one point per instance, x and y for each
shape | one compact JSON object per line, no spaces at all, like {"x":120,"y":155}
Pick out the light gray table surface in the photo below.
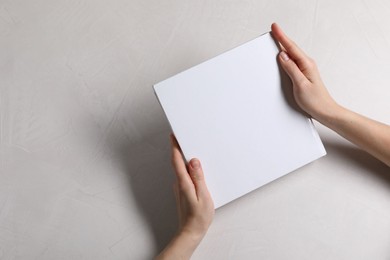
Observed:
{"x":84,"y":151}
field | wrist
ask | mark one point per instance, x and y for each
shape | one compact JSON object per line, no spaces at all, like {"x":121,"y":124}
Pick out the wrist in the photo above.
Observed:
{"x":330,"y":114}
{"x":182,"y":246}
{"x":191,"y":236}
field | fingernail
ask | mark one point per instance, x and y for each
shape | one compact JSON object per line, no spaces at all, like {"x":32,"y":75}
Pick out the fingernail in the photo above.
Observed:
{"x":195,"y":164}
{"x":284,"y":56}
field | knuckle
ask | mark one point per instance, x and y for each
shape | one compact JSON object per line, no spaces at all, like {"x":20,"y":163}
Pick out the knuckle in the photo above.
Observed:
{"x":183,"y":189}
{"x":311,"y":64}
{"x":292,"y":44}
{"x":302,"y":83}
{"x":183,"y":186}
{"x":197,"y":175}
{"x":289,"y":66}
{"x":305,"y":85}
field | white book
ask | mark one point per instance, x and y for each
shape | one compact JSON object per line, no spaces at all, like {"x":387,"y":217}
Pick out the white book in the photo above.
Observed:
{"x":235,"y":112}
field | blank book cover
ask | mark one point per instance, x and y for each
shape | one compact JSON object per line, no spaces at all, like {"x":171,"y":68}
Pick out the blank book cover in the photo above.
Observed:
{"x":235,"y":112}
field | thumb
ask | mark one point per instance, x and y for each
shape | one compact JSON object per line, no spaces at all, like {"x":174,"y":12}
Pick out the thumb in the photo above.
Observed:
{"x":291,"y":68}
{"x":197,"y":177}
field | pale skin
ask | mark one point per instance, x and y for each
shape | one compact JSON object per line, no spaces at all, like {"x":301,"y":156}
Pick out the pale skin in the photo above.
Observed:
{"x":195,"y":205}
{"x":312,"y":96}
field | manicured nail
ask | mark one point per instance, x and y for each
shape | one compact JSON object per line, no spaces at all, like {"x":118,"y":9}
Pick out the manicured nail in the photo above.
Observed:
{"x":195,"y":164}
{"x":284,"y":56}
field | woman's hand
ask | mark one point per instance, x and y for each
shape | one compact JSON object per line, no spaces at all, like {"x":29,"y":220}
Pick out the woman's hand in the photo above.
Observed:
{"x":195,"y":206}
{"x":194,"y":203}
{"x":312,"y":96}
{"x":308,"y":88}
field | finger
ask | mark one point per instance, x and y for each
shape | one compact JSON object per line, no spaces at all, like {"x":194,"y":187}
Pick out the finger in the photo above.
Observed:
{"x":176,"y":192}
{"x":290,"y":46}
{"x":179,"y":164}
{"x":197,"y":177}
{"x":177,"y":198}
{"x":289,"y":66}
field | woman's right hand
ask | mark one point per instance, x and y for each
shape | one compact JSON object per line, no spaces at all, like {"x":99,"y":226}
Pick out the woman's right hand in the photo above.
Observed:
{"x":308,"y":88}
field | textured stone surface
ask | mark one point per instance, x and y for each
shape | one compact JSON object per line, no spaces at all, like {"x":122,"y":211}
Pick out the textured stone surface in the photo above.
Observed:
{"x":84,"y":152}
